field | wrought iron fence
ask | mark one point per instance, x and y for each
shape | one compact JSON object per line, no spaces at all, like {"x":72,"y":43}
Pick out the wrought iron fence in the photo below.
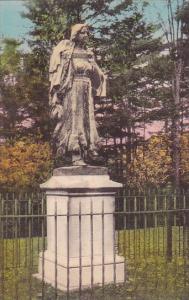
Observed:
{"x":151,"y":234}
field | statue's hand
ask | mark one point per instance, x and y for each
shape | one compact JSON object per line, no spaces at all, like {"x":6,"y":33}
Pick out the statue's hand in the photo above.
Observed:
{"x":60,"y":112}
{"x":57,"y":112}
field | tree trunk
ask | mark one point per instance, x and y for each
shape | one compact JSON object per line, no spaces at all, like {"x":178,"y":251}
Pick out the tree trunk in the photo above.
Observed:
{"x":176,"y":124}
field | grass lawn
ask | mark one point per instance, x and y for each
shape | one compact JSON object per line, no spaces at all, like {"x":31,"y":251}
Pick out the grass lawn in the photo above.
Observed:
{"x":150,"y":275}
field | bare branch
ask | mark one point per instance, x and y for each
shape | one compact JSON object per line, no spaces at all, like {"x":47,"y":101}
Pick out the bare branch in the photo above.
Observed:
{"x":169,"y":21}
{"x":172,"y":19}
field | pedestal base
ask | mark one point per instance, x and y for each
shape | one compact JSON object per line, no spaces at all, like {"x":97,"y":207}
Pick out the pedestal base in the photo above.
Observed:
{"x":80,"y":230}
{"x":76,"y":276}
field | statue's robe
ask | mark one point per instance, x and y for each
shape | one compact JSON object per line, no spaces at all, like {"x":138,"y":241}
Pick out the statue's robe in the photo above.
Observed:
{"x":72,"y":98}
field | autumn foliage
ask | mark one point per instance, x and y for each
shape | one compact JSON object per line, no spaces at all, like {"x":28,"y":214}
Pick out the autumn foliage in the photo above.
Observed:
{"x":24,"y":164}
{"x":152,"y":163}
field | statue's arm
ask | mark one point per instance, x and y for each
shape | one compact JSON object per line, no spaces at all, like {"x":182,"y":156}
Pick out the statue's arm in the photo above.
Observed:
{"x":98,"y":79}
{"x":56,"y":108}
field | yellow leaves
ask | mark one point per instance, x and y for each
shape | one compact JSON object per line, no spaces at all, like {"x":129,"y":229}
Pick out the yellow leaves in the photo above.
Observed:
{"x":152,"y":164}
{"x":24,"y":164}
{"x":185,"y":157}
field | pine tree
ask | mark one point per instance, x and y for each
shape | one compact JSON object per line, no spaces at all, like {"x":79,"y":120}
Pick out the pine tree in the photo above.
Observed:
{"x":176,"y":39}
{"x":12,"y":102}
{"x":125,"y":48}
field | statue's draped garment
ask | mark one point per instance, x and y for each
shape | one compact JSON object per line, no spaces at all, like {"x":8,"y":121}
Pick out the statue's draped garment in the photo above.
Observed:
{"x":75,"y":79}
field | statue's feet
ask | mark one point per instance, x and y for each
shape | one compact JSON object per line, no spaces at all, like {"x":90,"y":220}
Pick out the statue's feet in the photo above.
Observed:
{"x":94,"y":158}
{"x":77,"y":160}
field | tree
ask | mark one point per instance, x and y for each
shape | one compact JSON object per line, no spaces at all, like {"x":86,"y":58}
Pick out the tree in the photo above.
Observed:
{"x":10,"y":57}
{"x":126,"y":47}
{"x":176,"y":44}
{"x":24,"y":164}
{"x":12,"y":100}
{"x":34,"y":85}
{"x":152,"y":164}
{"x":52,"y":20}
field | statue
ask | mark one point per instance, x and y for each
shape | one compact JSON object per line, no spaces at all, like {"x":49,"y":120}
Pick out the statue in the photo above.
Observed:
{"x":75,"y":79}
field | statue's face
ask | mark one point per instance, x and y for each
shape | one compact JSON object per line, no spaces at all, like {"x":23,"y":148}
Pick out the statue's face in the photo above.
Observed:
{"x":83,"y":35}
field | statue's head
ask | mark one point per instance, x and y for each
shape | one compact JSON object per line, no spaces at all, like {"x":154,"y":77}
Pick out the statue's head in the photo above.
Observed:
{"x":79,"y":33}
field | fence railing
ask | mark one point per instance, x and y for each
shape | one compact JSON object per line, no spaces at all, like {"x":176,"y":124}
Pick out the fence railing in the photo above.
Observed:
{"x":151,"y":234}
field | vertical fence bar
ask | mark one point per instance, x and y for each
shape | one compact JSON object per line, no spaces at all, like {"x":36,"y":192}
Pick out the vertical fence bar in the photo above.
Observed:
{"x":159,"y":233}
{"x":155,"y":226}
{"x":68,"y":250}
{"x":145,"y":225}
{"x":26,"y":223}
{"x":16,"y":244}
{"x":138,"y":225}
{"x":43,"y":247}
{"x":39,"y":221}
{"x":155,"y":237}
{"x":145,"y":235}
{"x":129,"y":222}
{"x":175,"y":224}
{"x":119,"y":224}
{"x":124,"y":221}
{"x":187,"y":224}
{"x":32,"y":252}
{"x":92,"y":250}
{"x":29,"y":237}
{"x":124,"y":234}
{"x":184,"y":241}
{"x":135,"y":227}
{"x":13,"y":228}
{"x":124,"y":207}
{"x":20,"y":234}
{"x":114,"y":249}
{"x":2,"y":246}
{"x":10,"y":228}
{"x":169,"y":229}
{"x":55,"y":271}
{"x":180,"y":230}
{"x":10,"y":222}
{"x":80,"y":252}
{"x":5,"y":231}
{"x":184,"y":227}
{"x":103,"y":268}
{"x":165,"y":223}
{"x":181,"y":218}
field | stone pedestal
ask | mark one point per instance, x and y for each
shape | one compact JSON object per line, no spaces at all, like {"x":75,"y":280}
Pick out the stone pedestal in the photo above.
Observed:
{"x":80,"y":229}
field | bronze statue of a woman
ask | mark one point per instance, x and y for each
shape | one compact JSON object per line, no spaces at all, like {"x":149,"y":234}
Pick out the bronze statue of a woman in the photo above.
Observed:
{"x":75,"y":80}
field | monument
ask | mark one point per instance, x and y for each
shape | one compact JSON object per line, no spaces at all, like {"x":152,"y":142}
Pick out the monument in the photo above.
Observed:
{"x":80,"y":196}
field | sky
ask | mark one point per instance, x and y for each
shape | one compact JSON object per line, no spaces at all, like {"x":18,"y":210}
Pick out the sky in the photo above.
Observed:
{"x":13,"y":25}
